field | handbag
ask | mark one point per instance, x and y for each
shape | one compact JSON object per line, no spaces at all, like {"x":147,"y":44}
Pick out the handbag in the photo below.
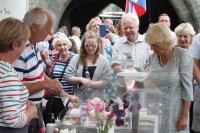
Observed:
{"x":52,"y":100}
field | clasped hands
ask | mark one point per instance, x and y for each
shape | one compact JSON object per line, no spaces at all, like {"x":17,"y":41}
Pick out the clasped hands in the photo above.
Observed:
{"x":85,"y":83}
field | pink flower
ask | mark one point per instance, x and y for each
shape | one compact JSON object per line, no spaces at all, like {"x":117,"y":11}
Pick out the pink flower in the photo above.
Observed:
{"x":95,"y":110}
{"x":93,"y":102}
{"x":100,"y":107}
{"x":88,"y":109}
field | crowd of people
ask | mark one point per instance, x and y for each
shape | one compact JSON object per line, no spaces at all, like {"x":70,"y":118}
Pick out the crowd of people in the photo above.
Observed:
{"x":35,"y":61}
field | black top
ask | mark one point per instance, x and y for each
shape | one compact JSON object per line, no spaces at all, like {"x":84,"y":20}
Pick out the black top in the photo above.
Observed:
{"x":90,"y":69}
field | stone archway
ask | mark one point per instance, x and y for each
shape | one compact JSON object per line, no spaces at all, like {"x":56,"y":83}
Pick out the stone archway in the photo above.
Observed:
{"x":79,"y":12}
{"x":76,"y":12}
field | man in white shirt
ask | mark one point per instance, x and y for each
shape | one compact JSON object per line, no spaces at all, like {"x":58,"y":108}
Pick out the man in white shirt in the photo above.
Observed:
{"x":29,"y":65}
{"x":132,"y":45}
{"x":195,"y":50}
{"x":76,"y":33}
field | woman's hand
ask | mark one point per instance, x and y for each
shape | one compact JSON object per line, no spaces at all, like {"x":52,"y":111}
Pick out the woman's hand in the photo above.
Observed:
{"x":86,"y":83}
{"x":182,"y":123}
{"x":74,"y":100}
{"x":31,"y":111}
{"x":109,"y":36}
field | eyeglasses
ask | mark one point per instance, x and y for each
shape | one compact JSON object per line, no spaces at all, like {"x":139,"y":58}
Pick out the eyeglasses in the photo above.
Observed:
{"x":90,"y":46}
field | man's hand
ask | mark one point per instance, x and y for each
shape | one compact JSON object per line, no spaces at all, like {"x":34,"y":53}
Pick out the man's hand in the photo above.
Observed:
{"x":53,"y":86}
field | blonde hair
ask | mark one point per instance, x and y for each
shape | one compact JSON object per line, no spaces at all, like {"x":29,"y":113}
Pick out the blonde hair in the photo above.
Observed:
{"x":60,"y":37}
{"x":185,"y":27}
{"x":119,"y":29}
{"x":159,"y":34}
{"x":89,"y":25}
{"x":12,"y":30}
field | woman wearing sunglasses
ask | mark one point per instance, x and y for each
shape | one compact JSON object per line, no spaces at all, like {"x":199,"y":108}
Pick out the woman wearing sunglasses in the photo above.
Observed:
{"x":90,"y":70}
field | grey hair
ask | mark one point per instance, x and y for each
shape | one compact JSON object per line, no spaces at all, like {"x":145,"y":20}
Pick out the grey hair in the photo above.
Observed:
{"x":61,"y":37}
{"x":186,"y":27}
{"x":39,"y":16}
{"x":134,"y":17}
{"x":75,"y":29}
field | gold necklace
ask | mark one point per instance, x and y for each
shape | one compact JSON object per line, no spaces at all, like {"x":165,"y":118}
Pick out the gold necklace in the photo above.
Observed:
{"x":160,"y":60}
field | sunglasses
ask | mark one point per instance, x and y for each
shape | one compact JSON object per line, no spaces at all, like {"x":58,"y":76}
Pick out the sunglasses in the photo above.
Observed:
{"x":90,"y":46}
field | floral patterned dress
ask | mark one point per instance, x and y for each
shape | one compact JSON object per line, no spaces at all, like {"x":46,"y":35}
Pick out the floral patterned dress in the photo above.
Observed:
{"x":175,"y":82}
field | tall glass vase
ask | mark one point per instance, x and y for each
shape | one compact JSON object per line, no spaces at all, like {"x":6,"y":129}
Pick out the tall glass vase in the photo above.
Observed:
{"x":102,"y":130}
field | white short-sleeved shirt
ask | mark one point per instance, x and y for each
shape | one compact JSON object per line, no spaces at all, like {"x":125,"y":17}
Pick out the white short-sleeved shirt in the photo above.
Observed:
{"x":139,"y":51}
{"x":195,"y":51}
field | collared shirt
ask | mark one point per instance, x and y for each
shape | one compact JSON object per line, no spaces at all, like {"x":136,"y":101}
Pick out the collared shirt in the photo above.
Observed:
{"x":139,"y":51}
{"x":77,"y":41}
{"x":195,"y":50}
{"x":29,"y":67}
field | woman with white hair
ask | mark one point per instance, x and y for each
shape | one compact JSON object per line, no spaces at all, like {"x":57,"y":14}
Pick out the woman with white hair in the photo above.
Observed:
{"x":171,"y":70}
{"x":184,"y":33}
{"x":57,"y":66}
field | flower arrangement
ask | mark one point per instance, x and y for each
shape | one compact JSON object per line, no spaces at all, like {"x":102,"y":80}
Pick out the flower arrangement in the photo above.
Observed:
{"x":121,"y":106}
{"x":95,"y":110}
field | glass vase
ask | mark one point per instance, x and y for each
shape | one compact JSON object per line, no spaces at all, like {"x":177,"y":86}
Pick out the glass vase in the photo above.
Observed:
{"x":101,"y":130}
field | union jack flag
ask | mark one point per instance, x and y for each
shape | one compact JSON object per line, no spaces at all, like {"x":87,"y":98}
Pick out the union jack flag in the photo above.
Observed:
{"x":136,"y":6}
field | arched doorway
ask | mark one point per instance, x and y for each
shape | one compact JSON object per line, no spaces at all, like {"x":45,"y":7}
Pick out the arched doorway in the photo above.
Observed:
{"x":80,"y":12}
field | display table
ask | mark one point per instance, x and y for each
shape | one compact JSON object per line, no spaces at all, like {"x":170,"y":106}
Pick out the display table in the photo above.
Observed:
{"x":144,"y":103}
{"x":145,"y":123}
{"x":145,"y":129}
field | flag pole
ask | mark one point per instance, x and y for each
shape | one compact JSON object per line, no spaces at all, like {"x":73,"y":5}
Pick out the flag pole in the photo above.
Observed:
{"x":149,"y":11}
